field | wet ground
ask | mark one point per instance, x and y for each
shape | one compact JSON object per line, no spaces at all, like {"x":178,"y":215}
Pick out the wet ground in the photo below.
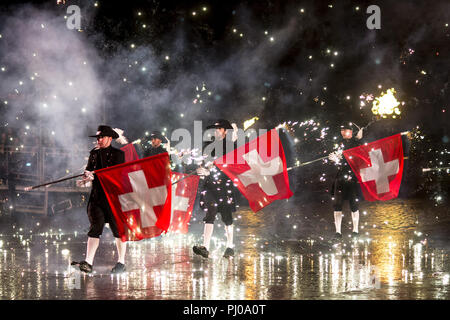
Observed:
{"x":283,"y":252}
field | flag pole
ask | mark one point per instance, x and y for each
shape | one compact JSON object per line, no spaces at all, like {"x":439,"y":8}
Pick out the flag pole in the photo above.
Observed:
{"x":312,"y":161}
{"x":52,"y":182}
{"x":188,"y":175}
{"x":305,"y":163}
{"x":435,"y":169}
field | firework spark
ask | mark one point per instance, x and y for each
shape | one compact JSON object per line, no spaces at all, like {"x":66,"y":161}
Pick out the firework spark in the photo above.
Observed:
{"x":386,"y":104}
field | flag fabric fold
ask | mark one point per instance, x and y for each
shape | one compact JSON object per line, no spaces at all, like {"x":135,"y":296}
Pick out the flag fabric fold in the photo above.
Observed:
{"x":139,"y":194}
{"x":183,"y":199}
{"x":130,"y":152}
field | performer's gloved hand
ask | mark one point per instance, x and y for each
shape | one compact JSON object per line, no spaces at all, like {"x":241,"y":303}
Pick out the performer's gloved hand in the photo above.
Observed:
{"x":83,"y":183}
{"x":234,"y":137}
{"x":88,"y":176}
{"x":202,"y":171}
{"x":359,"y":135}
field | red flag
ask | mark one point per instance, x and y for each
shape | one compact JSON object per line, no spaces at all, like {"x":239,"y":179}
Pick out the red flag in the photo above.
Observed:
{"x":130,"y":152}
{"x":183,"y":199}
{"x":139,"y":193}
{"x":259,"y":170}
{"x":378,"y":166}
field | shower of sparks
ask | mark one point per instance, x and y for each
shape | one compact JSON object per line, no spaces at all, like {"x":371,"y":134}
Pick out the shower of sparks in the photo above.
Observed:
{"x":386,"y":104}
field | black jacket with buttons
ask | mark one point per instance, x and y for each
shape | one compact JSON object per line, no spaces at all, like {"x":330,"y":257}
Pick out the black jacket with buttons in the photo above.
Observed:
{"x":100,"y":159}
{"x":154,"y":151}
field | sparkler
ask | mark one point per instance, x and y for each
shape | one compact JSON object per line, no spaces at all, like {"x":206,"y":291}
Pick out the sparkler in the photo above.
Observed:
{"x":248,"y":123}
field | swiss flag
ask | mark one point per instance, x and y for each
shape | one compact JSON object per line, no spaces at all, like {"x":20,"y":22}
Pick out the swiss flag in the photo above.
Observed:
{"x":130,"y":152}
{"x":379,"y":167}
{"x":139,"y":193}
{"x":183,"y":199}
{"x":258,"y":168}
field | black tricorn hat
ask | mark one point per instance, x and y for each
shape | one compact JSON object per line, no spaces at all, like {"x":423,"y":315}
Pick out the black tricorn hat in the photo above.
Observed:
{"x":158,"y":135}
{"x":105,"y":131}
{"x":346,"y":125}
{"x":221,"y":123}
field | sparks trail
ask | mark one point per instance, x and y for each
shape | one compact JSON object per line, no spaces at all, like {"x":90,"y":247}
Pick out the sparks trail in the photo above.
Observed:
{"x":435,"y":169}
{"x":325,"y":157}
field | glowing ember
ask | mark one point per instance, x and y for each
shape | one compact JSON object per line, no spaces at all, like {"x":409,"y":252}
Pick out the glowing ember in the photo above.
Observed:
{"x":250,"y":122}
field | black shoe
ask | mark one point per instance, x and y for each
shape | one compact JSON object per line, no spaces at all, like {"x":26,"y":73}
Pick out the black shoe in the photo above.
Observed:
{"x":228,"y":253}
{"x":355,"y":234}
{"x":338,"y":235}
{"x":201,"y":250}
{"x":83,"y":265}
{"x":118,"y":268}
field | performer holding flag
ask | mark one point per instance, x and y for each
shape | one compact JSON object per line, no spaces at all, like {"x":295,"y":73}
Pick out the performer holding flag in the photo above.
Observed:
{"x":98,"y":209}
{"x":217,"y":194}
{"x":345,"y":184}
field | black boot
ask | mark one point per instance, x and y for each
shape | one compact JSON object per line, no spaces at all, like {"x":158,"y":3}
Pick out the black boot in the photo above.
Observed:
{"x":201,"y":250}
{"x":118,"y":268}
{"x":338,"y":236}
{"x":83,"y":265}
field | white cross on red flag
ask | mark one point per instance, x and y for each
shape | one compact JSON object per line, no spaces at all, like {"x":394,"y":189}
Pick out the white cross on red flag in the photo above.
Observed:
{"x":258,"y":168}
{"x":379,"y":167}
{"x":139,"y":194}
{"x":183,"y":199}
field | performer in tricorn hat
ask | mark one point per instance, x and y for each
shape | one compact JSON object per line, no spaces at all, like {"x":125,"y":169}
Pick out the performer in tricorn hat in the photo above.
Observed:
{"x":217,"y":192}
{"x":98,"y":209}
{"x":345,"y":185}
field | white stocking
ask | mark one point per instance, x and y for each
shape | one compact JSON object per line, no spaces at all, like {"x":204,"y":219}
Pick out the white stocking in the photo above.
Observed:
{"x":229,"y":233}
{"x":338,"y":220}
{"x":92,"y":246}
{"x":207,"y":233}
{"x":121,"y":250}
{"x":355,"y":218}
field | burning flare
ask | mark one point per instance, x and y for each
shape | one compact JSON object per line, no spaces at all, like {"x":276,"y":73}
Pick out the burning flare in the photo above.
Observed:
{"x":250,"y":122}
{"x":386,"y":104}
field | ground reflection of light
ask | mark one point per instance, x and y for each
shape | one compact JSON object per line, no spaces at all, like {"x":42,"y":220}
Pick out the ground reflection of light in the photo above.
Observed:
{"x":335,"y":274}
{"x":445,"y":279}
{"x":386,"y":254}
{"x":162,"y":268}
{"x":418,"y":257}
{"x":294,"y":276}
{"x":321,"y":273}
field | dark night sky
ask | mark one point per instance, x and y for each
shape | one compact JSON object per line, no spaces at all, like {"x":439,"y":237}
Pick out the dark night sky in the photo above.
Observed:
{"x":281,"y":61}
{"x":366,"y":57}
{"x":246,"y":76}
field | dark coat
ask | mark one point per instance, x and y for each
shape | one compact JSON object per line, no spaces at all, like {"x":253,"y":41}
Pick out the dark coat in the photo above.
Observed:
{"x":100,"y":159}
{"x":345,"y":175}
{"x":154,"y":151}
{"x":218,"y":190}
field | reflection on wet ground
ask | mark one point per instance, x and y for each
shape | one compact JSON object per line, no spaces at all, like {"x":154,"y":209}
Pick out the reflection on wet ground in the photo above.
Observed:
{"x":284,"y":252}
